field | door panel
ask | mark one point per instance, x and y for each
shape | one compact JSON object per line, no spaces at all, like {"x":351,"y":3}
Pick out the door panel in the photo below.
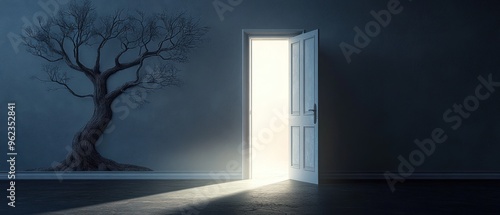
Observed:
{"x":309,"y":76}
{"x":309,"y":154}
{"x":303,"y":113}
{"x":295,"y":147}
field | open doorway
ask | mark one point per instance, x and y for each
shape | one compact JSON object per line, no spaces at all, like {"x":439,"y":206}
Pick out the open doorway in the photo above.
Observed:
{"x":269,"y":103}
{"x":265,"y":131}
{"x":280,"y":104}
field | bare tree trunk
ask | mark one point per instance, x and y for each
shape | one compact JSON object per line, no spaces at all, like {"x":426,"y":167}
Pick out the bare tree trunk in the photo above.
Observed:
{"x":84,"y":155}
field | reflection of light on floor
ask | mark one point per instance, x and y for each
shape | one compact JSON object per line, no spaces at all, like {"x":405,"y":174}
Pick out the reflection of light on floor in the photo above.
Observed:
{"x":187,"y":201}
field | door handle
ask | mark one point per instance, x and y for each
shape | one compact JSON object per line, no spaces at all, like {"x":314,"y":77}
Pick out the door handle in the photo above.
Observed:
{"x":315,"y":113}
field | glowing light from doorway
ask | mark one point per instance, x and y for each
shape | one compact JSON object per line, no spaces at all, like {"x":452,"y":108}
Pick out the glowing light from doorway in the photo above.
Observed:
{"x":269,"y":65}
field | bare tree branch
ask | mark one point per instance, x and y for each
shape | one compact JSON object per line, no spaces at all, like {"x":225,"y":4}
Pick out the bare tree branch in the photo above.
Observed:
{"x":161,"y":36}
{"x":112,"y":27}
{"x":179,"y":35}
{"x":151,"y":78}
{"x":48,"y":40}
{"x":55,"y":76}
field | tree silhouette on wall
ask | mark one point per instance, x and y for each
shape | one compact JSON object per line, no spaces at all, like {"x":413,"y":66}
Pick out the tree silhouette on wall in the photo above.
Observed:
{"x":76,"y":36}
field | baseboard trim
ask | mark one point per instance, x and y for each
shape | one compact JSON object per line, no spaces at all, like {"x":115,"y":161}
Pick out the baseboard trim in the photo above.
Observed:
{"x":106,"y":175}
{"x":424,"y":176}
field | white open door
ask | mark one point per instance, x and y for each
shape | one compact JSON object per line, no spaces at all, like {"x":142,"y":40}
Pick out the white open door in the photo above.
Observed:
{"x":303,"y":113}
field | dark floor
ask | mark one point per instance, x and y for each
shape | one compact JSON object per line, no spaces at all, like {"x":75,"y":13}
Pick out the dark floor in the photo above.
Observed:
{"x":243,"y":197}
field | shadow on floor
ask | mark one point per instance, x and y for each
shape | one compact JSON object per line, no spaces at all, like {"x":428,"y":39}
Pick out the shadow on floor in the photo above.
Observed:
{"x":364,"y":197}
{"x":39,"y":196}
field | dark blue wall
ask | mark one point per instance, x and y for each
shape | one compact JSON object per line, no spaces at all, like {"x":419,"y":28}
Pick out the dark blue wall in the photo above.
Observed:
{"x":395,"y":90}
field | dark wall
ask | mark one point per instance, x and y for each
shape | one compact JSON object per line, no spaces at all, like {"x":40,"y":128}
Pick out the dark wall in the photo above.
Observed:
{"x":395,"y":90}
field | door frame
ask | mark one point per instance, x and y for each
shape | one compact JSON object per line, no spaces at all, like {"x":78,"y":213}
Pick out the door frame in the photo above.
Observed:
{"x":246,"y":35}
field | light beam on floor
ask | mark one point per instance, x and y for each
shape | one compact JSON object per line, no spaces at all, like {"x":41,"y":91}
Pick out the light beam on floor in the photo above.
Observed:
{"x":187,"y":201}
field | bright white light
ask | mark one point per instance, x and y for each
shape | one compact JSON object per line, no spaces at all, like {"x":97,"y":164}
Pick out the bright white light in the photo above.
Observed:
{"x":269,"y":107}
